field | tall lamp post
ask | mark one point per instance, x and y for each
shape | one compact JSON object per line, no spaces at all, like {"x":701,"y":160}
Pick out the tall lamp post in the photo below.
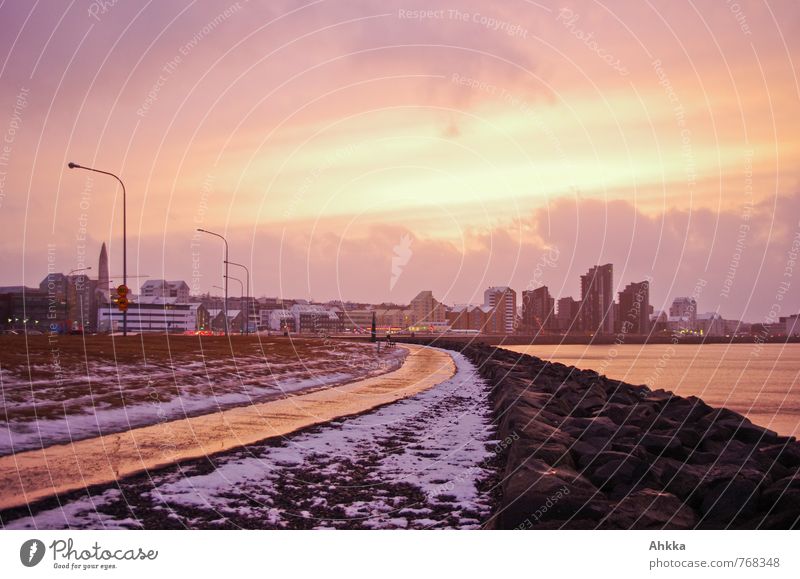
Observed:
{"x":241,"y":295}
{"x":66,"y":294}
{"x":247,"y":295}
{"x":225,"y":303}
{"x":124,"y":236}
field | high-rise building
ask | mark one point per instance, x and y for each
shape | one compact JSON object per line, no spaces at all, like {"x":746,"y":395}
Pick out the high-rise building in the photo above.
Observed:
{"x":634,"y":308}
{"x":597,"y":299}
{"x":538,"y":309}
{"x":504,"y":300}
{"x":427,"y":309}
{"x":567,"y":315}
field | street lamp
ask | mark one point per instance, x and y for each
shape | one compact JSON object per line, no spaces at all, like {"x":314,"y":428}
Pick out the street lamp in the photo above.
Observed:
{"x":225,"y":303}
{"x":124,"y":236}
{"x":241,"y":295}
{"x":66,"y":294}
{"x":247,"y":310}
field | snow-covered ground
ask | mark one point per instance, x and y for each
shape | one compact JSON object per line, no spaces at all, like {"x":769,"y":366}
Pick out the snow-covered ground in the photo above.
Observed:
{"x":417,"y":463}
{"x":105,"y":398}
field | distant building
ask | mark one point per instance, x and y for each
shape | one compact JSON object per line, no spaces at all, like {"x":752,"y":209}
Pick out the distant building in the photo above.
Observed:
{"x":708,"y":324}
{"x":394,"y":318}
{"x":793,"y":325}
{"x":504,"y":300}
{"x":26,"y":308}
{"x":538,"y":310}
{"x":686,"y":308}
{"x":316,"y":319}
{"x":154,"y":315}
{"x":427,"y":309}
{"x":469,"y":317}
{"x":235,"y":320}
{"x":78,"y":295}
{"x":160,"y":288}
{"x":567,"y":315}
{"x":356,"y":320}
{"x":597,"y":298}
{"x":279,"y":320}
{"x":634,"y":308}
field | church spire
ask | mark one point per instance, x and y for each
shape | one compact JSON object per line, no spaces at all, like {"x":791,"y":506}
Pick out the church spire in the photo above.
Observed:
{"x":102,"y":272}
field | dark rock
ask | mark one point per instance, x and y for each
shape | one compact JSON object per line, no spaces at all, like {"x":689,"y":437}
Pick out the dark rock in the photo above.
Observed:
{"x":551,"y":453}
{"x":659,"y":444}
{"x":588,"y":428}
{"x":782,"y":494}
{"x":613,"y":471}
{"x":538,"y":493}
{"x":786,"y":454}
{"x":651,"y":459}
{"x":679,"y":478}
{"x":650,"y":509}
{"x":726,"y":501}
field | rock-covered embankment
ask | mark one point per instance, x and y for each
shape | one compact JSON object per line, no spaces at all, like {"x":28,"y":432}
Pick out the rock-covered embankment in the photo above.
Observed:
{"x":585,"y":451}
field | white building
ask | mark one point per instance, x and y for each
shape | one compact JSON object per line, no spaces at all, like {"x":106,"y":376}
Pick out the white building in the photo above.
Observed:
{"x":153,"y":314}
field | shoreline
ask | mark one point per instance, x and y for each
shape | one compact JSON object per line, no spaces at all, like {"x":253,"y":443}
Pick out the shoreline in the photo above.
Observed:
{"x":590,"y":452}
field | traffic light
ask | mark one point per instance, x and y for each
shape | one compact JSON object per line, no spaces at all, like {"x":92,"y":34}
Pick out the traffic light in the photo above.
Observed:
{"x":122,"y":299}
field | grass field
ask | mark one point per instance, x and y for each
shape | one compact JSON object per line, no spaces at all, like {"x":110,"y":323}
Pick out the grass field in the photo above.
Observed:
{"x":59,"y":388}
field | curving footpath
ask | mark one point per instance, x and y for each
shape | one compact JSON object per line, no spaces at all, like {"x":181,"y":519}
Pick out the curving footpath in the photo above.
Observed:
{"x":29,"y":476}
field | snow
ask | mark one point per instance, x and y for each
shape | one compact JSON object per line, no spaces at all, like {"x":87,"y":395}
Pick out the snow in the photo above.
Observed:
{"x":411,"y":464}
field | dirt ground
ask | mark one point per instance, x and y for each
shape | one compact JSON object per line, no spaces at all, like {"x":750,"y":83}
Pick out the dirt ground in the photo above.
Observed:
{"x":49,"y":376}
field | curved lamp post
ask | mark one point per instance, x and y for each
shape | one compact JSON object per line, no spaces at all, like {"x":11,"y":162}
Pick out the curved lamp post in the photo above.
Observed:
{"x":124,"y":235}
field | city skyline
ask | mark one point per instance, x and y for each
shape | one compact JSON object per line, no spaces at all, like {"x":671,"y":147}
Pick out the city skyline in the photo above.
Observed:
{"x":605,"y":306}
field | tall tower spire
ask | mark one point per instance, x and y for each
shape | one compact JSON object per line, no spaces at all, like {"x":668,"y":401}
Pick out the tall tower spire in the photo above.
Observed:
{"x":102,"y":273}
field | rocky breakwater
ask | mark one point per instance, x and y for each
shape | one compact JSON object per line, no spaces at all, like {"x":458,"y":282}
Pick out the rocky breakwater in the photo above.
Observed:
{"x":585,"y":451}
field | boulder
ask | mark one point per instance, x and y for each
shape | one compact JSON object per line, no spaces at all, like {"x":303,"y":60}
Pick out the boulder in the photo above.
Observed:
{"x":550,"y":453}
{"x":650,"y":509}
{"x":786,"y":454}
{"x":727,"y":501}
{"x":614,"y":469}
{"x":537,"y":493}
{"x":658,"y":443}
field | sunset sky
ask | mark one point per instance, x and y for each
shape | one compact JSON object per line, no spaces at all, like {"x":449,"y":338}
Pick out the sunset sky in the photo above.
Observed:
{"x":478,"y":144}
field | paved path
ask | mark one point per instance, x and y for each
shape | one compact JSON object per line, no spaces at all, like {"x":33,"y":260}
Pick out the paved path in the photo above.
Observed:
{"x":28,"y":476}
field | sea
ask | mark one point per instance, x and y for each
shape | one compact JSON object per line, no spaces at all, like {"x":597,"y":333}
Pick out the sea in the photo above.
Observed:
{"x":761,"y":381}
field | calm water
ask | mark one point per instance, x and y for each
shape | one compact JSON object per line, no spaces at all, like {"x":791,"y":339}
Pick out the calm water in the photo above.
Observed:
{"x":762,"y":383}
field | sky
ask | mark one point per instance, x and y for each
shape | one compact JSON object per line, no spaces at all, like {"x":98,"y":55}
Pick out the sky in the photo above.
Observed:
{"x":367,"y":150}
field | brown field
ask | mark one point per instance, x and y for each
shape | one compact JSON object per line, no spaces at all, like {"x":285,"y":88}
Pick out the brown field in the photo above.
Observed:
{"x":147,"y":378}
